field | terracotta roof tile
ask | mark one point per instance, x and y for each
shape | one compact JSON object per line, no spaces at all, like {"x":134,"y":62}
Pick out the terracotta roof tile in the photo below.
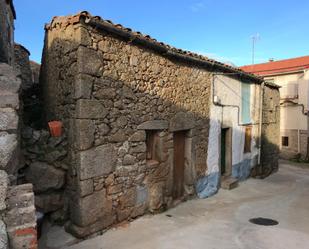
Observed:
{"x":278,"y":67}
{"x":187,"y":55}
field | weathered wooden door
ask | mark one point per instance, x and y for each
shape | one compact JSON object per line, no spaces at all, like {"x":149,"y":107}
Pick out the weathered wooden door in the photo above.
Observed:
{"x":179,"y":164}
{"x":226,"y":151}
{"x":223,"y":151}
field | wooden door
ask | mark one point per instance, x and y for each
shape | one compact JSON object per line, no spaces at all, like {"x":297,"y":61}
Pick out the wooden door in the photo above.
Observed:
{"x":223,"y":151}
{"x":179,"y":164}
{"x":226,"y":152}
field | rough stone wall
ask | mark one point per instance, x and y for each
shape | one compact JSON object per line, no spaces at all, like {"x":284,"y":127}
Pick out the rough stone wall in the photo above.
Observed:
{"x":42,"y":154}
{"x":22,"y":64}
{"x":46,"y":170}
{"x":9,"y":120}
{"x":109,"y":94}
{"x":270,"y":131}
{"x":7,"y":32}
{"x":35,"y":69}
{"x":20,"y":217}
{"x":4,"y":184}
{"x":17,"y":215}
{"x":17,"y":211}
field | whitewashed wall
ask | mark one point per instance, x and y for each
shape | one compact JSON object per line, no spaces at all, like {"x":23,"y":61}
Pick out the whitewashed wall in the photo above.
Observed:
{"x":293,"y":84}
{"x":228,"y":91}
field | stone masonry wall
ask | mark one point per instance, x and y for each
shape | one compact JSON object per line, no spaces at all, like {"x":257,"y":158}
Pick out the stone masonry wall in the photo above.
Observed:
{"x":4,"y":184}
{"x":46,"y":169}
{"x":17,"y":211}
{"x":9,"y":120}
{"x":111,"y":96}
{"x":20,"y":217}
{"x":270,"y":131}
{"x":22,"y":64}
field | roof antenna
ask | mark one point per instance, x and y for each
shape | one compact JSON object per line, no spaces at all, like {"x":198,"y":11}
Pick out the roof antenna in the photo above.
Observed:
{"x":254,"y":38}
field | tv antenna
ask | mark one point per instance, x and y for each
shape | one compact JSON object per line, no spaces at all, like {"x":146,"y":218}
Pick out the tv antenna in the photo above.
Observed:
{"x":254,"y":38}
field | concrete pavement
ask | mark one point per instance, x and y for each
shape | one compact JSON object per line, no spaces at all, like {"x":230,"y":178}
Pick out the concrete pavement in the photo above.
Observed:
{"x":221,"y":222}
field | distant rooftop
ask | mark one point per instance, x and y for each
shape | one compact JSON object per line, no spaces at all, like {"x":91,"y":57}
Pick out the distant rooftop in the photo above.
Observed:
{"x":278,"y":67}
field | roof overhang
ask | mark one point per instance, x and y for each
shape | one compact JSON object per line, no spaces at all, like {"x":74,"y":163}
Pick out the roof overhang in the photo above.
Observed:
{"x":163,"y":49}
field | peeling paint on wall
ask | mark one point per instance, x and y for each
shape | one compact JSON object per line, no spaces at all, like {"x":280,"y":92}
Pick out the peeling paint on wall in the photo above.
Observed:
{"x":229,"y":93}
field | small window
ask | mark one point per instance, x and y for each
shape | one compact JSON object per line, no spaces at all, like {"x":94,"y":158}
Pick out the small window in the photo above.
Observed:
{"x":151,"y":144}
{"x":248,"y":134}
{"x":285,"y":141}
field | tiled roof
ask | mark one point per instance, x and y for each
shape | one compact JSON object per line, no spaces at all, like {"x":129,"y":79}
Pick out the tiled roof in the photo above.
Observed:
{"x":278,"y":67}
{"x":22,"y":47}
{"x":136,"y":37}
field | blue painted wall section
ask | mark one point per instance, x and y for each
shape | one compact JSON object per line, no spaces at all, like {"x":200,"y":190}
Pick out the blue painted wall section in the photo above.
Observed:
{"x":242,"y":170}
{"x":207,"y":185}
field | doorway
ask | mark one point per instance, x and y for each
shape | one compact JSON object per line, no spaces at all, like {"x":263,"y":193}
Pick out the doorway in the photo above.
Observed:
{"x":179,"y":164}
{"x":226,"y":152}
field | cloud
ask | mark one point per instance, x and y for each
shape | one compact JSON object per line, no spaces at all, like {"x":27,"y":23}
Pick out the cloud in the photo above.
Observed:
{"x":220,"y":58}
{"x":234,"y":61}
{"x":198,"y":6}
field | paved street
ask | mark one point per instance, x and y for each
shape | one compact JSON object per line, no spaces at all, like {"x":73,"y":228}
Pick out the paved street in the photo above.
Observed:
{"x":222,"y":221}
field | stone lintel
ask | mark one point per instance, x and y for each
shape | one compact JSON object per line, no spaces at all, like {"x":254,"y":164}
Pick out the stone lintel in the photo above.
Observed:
{"x":153,"y":125}
{"x":181,"y":122}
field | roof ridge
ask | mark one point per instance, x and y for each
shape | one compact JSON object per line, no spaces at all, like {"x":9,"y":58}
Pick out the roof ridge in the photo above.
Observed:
{"x":273,"y":62}
{"x":145,"y":40}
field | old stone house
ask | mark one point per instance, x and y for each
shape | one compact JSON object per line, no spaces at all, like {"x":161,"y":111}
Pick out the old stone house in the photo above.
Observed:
{"x":148,"y":125}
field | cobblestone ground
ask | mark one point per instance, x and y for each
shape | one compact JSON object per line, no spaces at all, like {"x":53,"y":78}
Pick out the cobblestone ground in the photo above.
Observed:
{"x":222,"y":221}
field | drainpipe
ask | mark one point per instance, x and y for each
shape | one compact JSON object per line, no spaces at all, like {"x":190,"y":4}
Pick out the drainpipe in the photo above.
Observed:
{"x":261,"y":121}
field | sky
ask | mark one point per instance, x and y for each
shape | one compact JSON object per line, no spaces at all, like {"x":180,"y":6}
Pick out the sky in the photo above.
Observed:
{"x":222,"y":30}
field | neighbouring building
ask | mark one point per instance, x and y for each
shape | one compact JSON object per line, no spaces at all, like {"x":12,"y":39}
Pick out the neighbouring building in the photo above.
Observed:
{"x":147,"y":125}
{"x":7,"y":16}
{"x":17,"y":210}
{"x":292,"y":75}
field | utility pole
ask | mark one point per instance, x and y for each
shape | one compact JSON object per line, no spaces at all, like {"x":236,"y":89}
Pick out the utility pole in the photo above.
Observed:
{"x":254,"y":38}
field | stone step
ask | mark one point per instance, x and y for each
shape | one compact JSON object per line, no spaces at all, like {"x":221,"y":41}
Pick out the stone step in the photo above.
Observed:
{"x":229,"y":183}
{"x":21,"y":201}
{"x":20,"y":216}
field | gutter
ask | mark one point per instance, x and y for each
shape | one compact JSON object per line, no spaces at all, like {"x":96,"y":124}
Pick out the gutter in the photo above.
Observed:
{"x":283,"y":73}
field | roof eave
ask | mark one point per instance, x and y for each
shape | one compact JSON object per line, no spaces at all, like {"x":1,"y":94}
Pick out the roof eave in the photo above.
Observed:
{"x":165,"y":50}
{"x":283,"y":73}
